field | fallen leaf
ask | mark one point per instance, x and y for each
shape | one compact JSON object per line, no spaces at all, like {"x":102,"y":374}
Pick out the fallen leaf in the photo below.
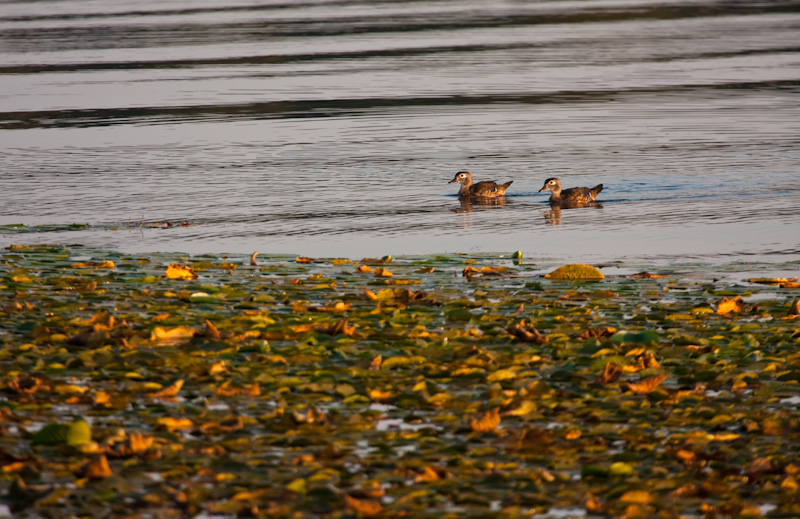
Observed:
{"x":646,"y":385}
{"x":107,"y":264}
{"x":377,"y":394}
{"x":773,"y":281}
{"x":728,"y":305}
{"x":174,"y":424}
{"x":340,"y":327}
{"x":303,"y":259}
{"x":641,"y":497}
{"x":253,"y":262}
{"x":178,"y":333}
{"x":251,"y":390}
{"x":795,"y":308}
{"x":365,"y":269}
{"x":24,"y":386}
{"x":139,"y":443}
{"x":593,"y":504}
{"x":211,"y":331}
{"x":175,"y":271}
{"x":526,"y":333}
{"x":380,"y":271}
{"x":611,"y":373}
{"x":168,"y":391}
{"x":487,"y":421}
{"x":98,"y":468}
{"x":470,"y":271}
{"x":339,"y":306}
{"x":363,"y":508}
{"x":431,"y":473}
{"x":646,"y":275}
{"x":217,"y":368}
{"x":376,"y":362}
{"x":602,"y":332}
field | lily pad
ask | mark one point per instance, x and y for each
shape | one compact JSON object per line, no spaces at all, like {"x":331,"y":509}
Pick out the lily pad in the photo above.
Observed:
{"x":575,"y":271}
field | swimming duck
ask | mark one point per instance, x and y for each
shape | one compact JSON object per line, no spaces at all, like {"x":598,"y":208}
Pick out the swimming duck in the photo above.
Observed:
{"x":485,"y":189}
{"x":571,"y":196}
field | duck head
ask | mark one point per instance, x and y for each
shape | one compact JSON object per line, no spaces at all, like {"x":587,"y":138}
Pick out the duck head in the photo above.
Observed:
{"x":551,"y":184}
{"x":462,"y":177}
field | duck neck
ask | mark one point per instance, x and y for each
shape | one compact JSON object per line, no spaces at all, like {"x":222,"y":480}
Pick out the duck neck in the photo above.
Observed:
{"x":464,"y":191}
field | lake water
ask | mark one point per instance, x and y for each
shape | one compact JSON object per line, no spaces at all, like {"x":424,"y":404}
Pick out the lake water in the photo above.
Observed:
{"x":331,"y":128}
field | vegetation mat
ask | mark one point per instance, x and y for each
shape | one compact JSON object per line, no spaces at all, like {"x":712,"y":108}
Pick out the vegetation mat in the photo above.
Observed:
{"x":456,"y":386}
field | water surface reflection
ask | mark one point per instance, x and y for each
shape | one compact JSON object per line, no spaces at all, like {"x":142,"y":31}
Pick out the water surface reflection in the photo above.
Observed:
{"x":325,"y":128}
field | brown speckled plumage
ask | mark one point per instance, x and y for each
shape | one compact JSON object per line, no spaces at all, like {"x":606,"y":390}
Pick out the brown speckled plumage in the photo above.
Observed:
{"x":571,"y":196}
{"x":485,"y":189}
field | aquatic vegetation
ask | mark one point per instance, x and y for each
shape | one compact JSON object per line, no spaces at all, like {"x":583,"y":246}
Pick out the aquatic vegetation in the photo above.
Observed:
{"x":456,"y":386}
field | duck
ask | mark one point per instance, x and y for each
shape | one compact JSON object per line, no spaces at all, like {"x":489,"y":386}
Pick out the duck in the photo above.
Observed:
{"x":571,"y":196}
{"x":485,"y":189}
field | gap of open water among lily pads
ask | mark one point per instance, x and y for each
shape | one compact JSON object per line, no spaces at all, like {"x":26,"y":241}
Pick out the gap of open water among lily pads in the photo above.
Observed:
{"x":433,"y":386}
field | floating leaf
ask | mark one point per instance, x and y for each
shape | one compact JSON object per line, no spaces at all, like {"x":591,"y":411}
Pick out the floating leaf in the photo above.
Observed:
{"x":178,"y":333}
{"x":611,"y":373}
{"x":621,"y":468}
{"x":647,"y":385}
{"x":168,"y":391}
{"x":98,"y":468}
{"x":339,"y":327}
{"x":363,"y":508}
{"x":107,"y":264}
{"x":175,"y":271}
{"x":575,"y":271}
{"x":339,"y":306}
{"x":24,"y":386}
{"x":470,"y":271}
{"x":393,"y":362}
{"x":175,"y":424}
{"x":728,"y":305}
{"x":773,"y":281}
{"x":526,"y":333}
{"x":487,"y":422}
{"x":641,"y":497}
{"x":646,"y":275}
{"x":211,"y":331}
{"x":602,"y":332}
{"x":78,"y":433}
{"x":380,"y":271}
{"x":502,"y":374}
{"x":73,"y":434}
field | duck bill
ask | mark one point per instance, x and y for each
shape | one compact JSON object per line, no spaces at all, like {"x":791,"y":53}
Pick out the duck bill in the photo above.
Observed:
{"x":543,"y":189}
{"x":453,"y":181}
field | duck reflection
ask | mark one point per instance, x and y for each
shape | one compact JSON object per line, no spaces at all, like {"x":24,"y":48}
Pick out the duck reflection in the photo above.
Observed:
{"x":468,"y":203}
{"x":553,"y":216}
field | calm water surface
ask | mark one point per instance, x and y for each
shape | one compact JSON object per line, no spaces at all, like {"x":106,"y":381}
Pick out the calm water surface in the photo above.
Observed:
{"x":331,"y":128}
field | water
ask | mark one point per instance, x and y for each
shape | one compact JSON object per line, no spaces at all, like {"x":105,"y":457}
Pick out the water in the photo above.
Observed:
{"x":331,"y":128}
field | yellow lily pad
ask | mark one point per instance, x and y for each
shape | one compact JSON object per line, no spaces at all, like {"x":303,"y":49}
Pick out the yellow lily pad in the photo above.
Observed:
{"x":575,"y":271}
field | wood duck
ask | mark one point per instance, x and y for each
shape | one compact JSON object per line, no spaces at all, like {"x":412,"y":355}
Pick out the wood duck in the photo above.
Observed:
{"x":571,"y":196}
{"x":485,"y":189}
